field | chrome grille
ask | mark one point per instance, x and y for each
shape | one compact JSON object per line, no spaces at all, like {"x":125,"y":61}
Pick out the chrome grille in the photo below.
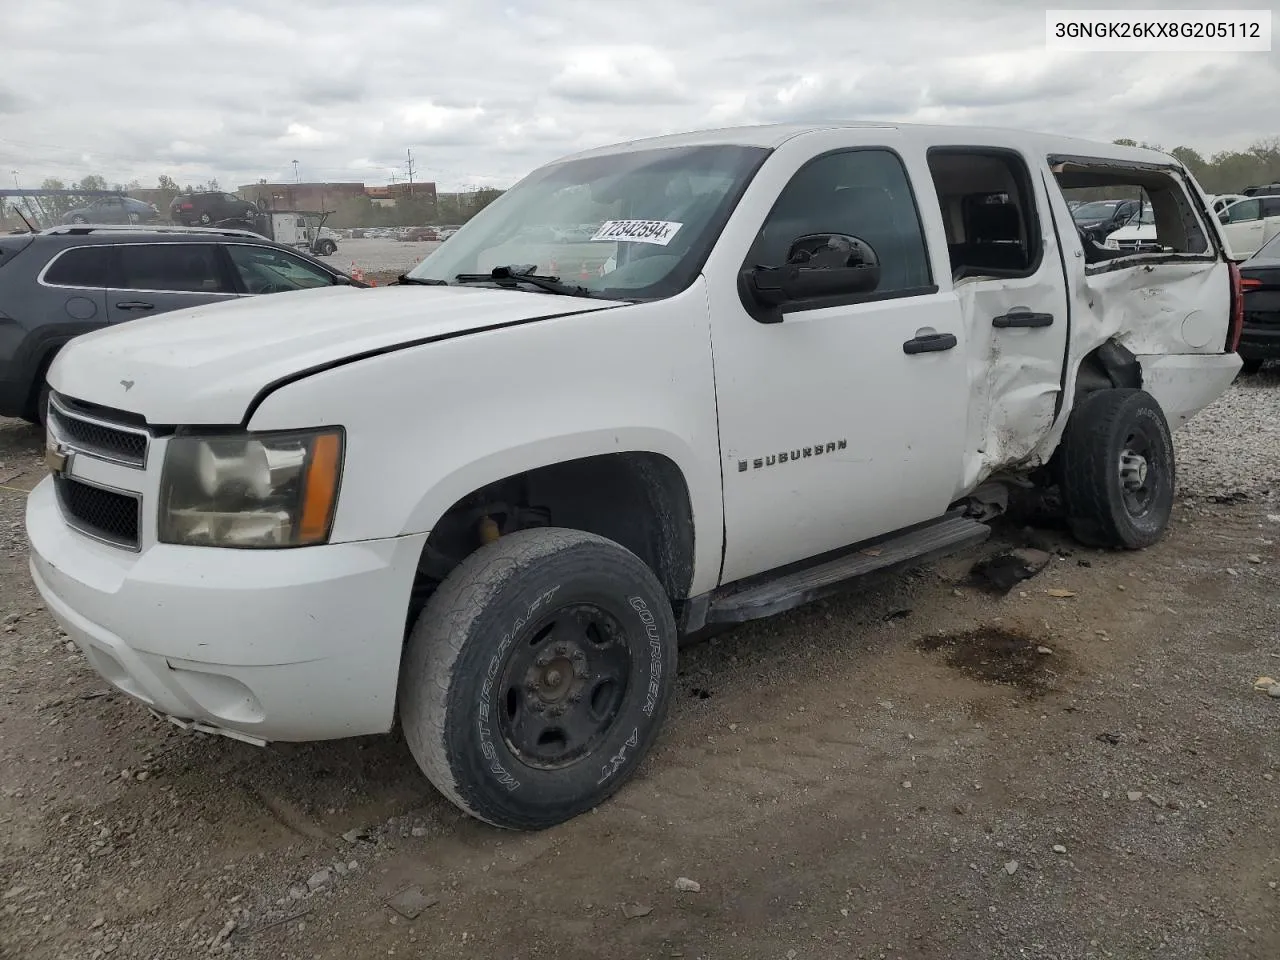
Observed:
{"x":112,"y":516}
{"x":87,"y":432}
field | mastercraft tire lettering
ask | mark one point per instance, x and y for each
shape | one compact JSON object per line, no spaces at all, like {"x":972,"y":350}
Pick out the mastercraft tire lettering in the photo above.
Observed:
{"x":538,"y":676}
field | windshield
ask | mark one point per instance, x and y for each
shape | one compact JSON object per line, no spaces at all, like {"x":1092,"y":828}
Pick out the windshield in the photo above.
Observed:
{"x":1145,"y":217}
{"x":1098,"y":210}
{"x":634,"y":225}
{"x":1270,"y":250}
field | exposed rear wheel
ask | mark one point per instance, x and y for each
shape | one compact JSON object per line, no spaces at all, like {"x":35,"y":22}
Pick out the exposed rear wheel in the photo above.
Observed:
{"x":537,"y":676}
{"x":1118,"y":470}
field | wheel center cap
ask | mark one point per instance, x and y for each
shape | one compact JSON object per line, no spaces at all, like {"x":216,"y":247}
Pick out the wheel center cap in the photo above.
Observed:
{"x":555,"y":680}
{"x":1133,"y":470}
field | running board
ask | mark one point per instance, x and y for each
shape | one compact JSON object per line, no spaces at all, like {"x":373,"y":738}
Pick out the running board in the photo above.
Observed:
{"x":793,"y":589}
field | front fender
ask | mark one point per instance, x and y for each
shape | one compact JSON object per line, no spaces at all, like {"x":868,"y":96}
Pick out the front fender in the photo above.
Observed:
{"x":427,"y":425}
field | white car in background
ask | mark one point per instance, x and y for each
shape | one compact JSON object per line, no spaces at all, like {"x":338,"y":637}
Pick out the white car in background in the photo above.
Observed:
{"x":1248,"y":223}
{"x":1139,"y":231}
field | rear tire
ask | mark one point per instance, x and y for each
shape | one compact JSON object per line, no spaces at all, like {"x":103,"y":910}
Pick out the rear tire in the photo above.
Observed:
{"x":1118,"y":471}
{"x":205,"y":219}
{"x":537,"y":677}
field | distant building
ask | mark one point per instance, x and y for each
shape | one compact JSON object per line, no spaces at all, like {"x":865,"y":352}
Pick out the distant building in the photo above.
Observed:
{"x":299,"y":196}
{"x":395,"y":191}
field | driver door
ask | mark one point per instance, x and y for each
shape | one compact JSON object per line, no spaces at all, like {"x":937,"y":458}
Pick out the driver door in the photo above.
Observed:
{"x":841,"y":418}
{"x":1244,"y":227}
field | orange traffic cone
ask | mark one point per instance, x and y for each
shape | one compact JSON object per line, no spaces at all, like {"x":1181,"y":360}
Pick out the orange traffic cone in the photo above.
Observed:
{"x":582,"y":272}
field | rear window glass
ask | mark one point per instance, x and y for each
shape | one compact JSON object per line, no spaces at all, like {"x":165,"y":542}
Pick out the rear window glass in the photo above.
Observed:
{"x":81,"y":267}
{"x":182,"y":267}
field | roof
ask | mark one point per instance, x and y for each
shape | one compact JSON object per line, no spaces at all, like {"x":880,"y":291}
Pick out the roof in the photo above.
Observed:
{"x":774,"y":135}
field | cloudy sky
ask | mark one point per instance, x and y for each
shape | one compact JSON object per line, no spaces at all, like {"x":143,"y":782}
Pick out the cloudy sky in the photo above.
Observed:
{"x":484,"y":91}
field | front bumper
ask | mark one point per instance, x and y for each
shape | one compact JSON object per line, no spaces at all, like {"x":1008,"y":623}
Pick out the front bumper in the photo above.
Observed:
{"x":295,"y":645}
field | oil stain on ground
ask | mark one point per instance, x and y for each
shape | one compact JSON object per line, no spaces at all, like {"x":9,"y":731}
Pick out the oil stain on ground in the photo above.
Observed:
{"x":999,"y":655}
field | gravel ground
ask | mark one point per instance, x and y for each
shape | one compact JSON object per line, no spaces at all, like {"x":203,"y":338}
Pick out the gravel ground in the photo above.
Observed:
{"x":924,"y":770}
{"x":388,"y":258}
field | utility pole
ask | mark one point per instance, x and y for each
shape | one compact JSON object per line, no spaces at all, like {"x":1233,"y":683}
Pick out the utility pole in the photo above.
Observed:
{"x":296,"y":177}
{"x":409,"y":153}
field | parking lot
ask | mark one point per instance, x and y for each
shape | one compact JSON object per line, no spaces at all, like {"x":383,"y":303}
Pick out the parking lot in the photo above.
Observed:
{"x":383,"y":258}
{"x":1080,"y":768}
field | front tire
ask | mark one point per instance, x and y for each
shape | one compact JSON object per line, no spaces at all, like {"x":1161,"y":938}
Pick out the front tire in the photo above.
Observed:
{"x":205,"y":219}
{"x":1118,"y":470}
{"x":537,"y":677}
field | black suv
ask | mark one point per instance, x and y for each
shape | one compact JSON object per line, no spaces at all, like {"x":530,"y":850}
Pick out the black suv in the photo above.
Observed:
{"x":203,"y":209}
{"x":66,"y":281}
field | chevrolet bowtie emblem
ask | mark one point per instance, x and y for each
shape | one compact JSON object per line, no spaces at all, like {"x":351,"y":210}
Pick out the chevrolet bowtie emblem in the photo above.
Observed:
{"x":57,"y":458}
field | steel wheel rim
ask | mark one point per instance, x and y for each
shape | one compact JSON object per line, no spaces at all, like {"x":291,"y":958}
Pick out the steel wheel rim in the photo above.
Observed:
{"x":563,"y":686}
{"x":1139,"y":468}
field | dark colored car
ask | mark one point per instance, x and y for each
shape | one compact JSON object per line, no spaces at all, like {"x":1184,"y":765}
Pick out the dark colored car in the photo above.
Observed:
{"x":1267,"y":190}
{"x":1098,"y":218}
{"x":113,"y":210}
{"x":1260,"y":336}
{"x":204,"y":209}
{"x":60,"y":283}
{"x":420,"y":233}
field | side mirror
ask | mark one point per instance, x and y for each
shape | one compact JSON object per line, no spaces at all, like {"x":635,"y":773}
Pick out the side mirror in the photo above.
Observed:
{"x":818,"y":266}
{"x":1224,"y":217}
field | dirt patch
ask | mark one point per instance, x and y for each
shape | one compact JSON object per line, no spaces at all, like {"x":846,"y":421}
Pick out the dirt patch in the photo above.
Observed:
{"x":999,"y":655}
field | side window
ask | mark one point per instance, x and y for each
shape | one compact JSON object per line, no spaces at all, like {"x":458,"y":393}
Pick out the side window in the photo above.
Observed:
{"x":81,"y":267}
{"x":178,"y":267}
{"x":264,"y":270}
{"x":993,"y":224}
{"x":1166,"y":205}
{"x":1270,"y":206}
{"x":860,"y":193}
{"x":1243,"y":210}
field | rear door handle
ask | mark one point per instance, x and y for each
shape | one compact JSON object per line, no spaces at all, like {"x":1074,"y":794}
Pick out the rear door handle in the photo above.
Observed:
{"x":135,"y":305}
{"x":1023,"y":318}
{"x":930,"y":343}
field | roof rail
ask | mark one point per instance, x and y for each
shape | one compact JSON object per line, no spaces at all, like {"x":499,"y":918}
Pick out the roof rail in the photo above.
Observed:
{"x":81,"y":229}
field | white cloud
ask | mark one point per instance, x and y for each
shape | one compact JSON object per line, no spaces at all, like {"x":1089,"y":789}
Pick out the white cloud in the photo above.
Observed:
{"x":482,"y":91}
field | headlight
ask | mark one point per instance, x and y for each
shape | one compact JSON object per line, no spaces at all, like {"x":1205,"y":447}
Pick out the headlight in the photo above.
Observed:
{"x":1111,"y":244}
{"x":255,"y":490}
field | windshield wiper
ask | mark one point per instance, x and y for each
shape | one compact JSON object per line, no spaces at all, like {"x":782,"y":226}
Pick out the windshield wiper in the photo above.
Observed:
{"x":404,"y":278}
{"x":519,"y":273}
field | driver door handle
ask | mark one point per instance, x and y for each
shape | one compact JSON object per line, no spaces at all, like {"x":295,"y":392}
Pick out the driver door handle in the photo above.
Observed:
{"x":1022,"y":318}
{"x":930,"y":343}
{"x":135,"y":305}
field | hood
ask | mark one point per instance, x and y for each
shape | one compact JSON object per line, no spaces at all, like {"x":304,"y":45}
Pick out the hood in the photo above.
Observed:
{"x":1137,"y":232}
{"x":205,"y":365}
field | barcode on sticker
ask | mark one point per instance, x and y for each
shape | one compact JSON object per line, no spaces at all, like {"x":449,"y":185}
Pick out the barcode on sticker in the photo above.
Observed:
{"x":638,"y":231}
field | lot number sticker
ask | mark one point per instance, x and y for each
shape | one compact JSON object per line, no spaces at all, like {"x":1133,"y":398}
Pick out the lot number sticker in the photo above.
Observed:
{"x":638,"y":231}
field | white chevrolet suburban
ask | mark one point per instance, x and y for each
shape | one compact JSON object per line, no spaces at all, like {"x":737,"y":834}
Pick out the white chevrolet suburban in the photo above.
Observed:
{"x":487,"y":501}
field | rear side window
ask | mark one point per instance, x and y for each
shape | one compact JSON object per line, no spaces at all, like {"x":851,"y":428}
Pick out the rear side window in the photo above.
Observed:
{"x":81,"y":267}
{"x":179,"y":267}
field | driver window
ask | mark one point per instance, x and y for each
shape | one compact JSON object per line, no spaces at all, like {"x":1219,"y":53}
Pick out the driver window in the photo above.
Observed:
{"x":861,"y":193}
{"x":264,"y":270}
{"x":1243,"y":210}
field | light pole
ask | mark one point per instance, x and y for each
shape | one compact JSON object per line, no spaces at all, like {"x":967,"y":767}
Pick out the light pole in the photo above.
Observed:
{"x":296,"y":177}
{"x":16,"y":184}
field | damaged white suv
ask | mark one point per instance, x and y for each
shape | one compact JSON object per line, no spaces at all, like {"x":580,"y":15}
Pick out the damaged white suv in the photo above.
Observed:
{"x":488,"y":500}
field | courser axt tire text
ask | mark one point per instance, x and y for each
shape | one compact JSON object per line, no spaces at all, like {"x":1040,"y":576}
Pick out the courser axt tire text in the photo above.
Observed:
{"x":538,"y":676}
{"x":1118,"y":473}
